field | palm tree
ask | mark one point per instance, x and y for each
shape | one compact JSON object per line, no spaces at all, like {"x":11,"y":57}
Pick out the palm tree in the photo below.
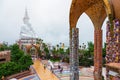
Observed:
{"x":45,"y":50}
{"x":61,"y":53}
{"x":90,"y":49}
{"x":82,"y":50}
{"x":57,"y":46}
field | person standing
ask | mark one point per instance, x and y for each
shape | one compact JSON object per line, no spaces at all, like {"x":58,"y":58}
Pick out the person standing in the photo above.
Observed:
{"x":61,"y":69}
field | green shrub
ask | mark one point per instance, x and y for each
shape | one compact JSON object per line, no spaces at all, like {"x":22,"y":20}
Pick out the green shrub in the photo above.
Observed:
{"x":19,"y":62}
{"x":8,"y":68}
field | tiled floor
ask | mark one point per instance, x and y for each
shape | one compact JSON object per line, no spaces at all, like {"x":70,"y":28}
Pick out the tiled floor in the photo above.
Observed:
{"x":44,"y":74}
{"x":85,"y":73}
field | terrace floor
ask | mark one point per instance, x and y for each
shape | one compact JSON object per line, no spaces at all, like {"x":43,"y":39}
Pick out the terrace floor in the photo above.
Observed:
{"x":44,"y":73}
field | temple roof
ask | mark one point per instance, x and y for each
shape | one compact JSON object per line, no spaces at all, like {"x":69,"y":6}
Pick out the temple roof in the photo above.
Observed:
{"x":28,"y":47}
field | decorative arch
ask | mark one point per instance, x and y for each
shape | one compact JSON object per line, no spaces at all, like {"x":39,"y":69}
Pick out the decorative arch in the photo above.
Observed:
{"x":108,"y":7}
{"x":94,"y":9}
{"x":28,"y":48}
{"x":97,"y":10}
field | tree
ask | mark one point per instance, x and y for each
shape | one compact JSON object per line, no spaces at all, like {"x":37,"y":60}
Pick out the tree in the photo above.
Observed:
{"x":25,"y":61}
{"x":90,"y":49}
{"x":8,"y":68}
{"x":62,"y":53}
{"x":19,"y":57}
{"x":104,"y":50}
{"x":4,"y":47}
{"x":55,"y":54}
{"x":66,"y":55}
{"x":86,"y":56}
{"x":39,"y":53}
{"x":87,"y":59}
{"x":46,"y":50}
{"x":16,"y":53}
{"x":104,"y":53}
{"x":19,"y":62}
{"x":54,"y":51}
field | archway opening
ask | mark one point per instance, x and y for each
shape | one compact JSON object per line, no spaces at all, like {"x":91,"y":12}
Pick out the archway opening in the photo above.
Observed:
{"x":33,"y":52}
{"x":104,"y":30}
{"x":86,"y":41}
{"x":86,"y":37}
{"x":86,"y":29}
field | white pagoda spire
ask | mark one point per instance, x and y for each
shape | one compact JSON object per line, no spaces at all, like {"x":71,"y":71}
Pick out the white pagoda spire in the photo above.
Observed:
{"x":27,"y":30}
{"x":26,"y":17}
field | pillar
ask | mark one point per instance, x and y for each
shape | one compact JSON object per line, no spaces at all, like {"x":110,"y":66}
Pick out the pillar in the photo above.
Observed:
{"x":113,"y":44}
{"x":98,"y":54}
{"x":74,"y":60}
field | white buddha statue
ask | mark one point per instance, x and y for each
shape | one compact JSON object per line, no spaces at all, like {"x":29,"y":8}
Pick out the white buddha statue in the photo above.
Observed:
{"x":26,"y":29}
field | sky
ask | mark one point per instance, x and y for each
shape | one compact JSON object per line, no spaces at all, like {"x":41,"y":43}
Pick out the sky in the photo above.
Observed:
{"x":49,"y":19}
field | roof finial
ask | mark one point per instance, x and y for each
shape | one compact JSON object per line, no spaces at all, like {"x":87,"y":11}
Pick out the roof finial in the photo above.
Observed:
{"x":26,"y":17}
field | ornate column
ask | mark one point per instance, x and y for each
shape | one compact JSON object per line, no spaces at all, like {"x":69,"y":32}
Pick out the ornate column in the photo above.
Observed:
{"x":74,"y":61}
{"x":98,"y":54}
{"x":113,"y":44}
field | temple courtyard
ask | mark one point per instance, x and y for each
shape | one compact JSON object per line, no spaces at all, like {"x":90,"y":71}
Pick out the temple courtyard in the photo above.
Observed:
{"x":42,"y":71}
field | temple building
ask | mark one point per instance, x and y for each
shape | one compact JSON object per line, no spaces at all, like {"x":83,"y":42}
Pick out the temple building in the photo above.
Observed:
{"x":97,"y":11}
{"x":4,"y":56}
{"x":28,"y":39}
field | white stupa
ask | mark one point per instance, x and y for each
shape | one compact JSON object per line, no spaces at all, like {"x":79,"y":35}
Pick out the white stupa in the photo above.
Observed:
{"x":26,"y":29}
{"x":27,"y":34}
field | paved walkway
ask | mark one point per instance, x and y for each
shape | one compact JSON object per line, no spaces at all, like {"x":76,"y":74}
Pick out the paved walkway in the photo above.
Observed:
{"x":44,"y":74}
